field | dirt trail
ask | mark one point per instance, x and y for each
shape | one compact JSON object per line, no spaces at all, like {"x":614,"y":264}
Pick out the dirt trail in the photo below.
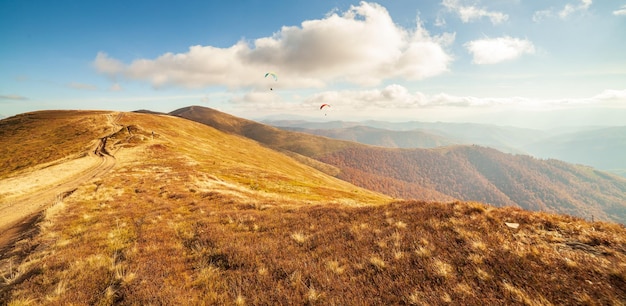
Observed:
{"x":17,"y":218}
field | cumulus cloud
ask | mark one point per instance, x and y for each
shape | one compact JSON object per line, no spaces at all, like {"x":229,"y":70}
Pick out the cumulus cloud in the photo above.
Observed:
{"x":104,"y":64}
{"x":469,"y":13}
{"x":496,"y":50}
{"x":621,"y":11}
{"x":361,"y":45}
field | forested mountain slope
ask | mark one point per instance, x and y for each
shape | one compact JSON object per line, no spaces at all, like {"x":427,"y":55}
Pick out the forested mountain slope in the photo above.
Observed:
{"x":482,"y":174}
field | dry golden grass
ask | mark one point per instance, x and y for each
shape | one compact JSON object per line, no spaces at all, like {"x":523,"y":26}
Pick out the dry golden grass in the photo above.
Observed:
{"x":45,"y":137}
{"x":195,"y":250}
{"x":197,"y":217}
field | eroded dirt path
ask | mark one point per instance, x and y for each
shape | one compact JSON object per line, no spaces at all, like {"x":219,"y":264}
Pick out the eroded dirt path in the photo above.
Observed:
{"x":20,"y":212}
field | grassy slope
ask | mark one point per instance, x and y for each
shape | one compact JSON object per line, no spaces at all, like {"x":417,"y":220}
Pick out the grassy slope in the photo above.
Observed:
{"x":208,"y":248}
{"x":196,"y":217}
{"x":306,"y":145}
{"x":37,"y":138}
{"x":469,"y":173}
{"x":299,"y":143}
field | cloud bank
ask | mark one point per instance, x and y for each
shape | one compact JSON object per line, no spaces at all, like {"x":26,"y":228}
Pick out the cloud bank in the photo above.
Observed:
{"x":399,"y":99}
{"x":360,"y":46}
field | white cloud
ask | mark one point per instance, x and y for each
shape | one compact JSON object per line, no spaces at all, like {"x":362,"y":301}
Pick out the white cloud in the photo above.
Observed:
{"x":609,"y":95}
{"x":398,"y":97}
{"x":572,"y":8}
{"x":392,"y":96}
{"x":566,"y":11}
{"x":362,"y":46}
{"x":539,"y":16}
{"x":107,"y":65}
{"x":257,"y":98}
{"x":621,"y":11}
{"x":496,"y":50}
{"x":469,"y":13}
{"x":440,"y":21}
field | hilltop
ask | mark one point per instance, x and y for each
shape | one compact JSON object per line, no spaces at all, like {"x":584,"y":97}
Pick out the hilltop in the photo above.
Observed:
{"x":464,"y":172}
{"x":189,"y":214}
{"x":34,"y":143}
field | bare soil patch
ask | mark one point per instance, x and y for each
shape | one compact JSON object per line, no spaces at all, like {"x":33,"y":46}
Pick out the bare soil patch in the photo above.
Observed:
{"x":15,"y":187}
{"x":19,"y":210}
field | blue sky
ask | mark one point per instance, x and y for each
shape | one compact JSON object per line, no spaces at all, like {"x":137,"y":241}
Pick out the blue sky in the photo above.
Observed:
{"x":508,"y":62}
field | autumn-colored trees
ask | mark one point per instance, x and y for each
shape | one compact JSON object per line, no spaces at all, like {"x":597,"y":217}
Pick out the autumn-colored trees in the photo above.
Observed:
{"x":474,"y":173}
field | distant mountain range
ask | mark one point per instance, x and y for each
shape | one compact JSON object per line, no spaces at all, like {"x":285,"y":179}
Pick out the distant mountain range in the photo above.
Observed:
{"x":598,"y":147}
{"x":602,"y":148}
{"x":464,"y":172}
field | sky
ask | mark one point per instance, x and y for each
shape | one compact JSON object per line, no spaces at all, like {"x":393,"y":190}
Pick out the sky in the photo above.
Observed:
{"x":526,"y":63}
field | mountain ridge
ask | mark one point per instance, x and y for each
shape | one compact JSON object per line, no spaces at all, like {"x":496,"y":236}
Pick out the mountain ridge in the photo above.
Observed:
{"x":193,"y":215}
{"x":599,"y":147}
{"x":454,"y":172}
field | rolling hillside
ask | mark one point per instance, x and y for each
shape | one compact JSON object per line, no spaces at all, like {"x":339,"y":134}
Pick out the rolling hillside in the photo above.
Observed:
{"x":296,"y":142}
{"x":305,"y":148}
{"x":505,"y":139}
{"x":192,"y":215}
{"x":40,"y":138}
{"x":601,"y":148}
{"x":61,"y":136}
{"x":381,"y":137}
{"x":472,"y":173}
{"x":468,"y":173}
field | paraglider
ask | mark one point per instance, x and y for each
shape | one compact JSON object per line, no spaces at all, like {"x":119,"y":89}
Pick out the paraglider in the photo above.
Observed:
{"x":273,"y":75}
{"x":324,"y":105}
